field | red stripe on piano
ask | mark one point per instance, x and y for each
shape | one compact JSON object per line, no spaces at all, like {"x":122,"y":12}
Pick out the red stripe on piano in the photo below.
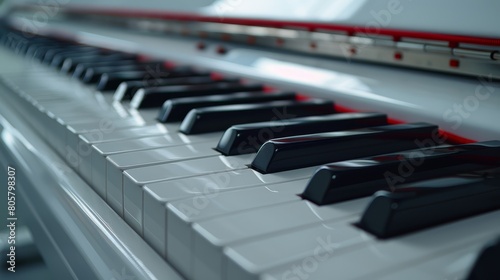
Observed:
{"x":449,"y":136}
{"x":455,"y":139}
{"x":303,"y":97}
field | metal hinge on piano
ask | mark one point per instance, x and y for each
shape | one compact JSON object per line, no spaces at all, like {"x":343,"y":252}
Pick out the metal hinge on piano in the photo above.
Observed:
{"x":225,"y":178}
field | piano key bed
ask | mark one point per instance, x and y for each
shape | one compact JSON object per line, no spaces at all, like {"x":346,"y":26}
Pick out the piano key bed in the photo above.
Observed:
{"x":227,"y":179}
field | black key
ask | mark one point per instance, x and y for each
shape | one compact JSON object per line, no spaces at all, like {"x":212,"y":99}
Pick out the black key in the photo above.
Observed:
{"x":81,"y":67}
{"x":46,"y":40}
{"x":175,"y":110}
{"x":93,"y":74}
{"x":248,"y":138}
{"x":69,"y":64}
{"x":486,"y":265}
{"x":46,"y":54}
{"x":39,"y":53}
{"x":5,"y":39}
{"x":219,"y":118}
{"x":13,"y":40}
{"x":110,"y":81}
{"x":156,"y":96}
{"x":22,"y":44}
{"x":13,"y":43}
{"x":30,"y":49}
{"x":22,"y":48}
{"x":314,"y":149}
{"x":429,"y":203}
{"x":127,"y":90}
{"x":8,"y":41}
{"x":341,"y":181}
{"x":40,"y":49}
{"x":58,"y":59}
{"x":155,"y":69}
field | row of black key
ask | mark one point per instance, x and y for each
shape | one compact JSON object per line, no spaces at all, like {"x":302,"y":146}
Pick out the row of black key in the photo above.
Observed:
{"x":298,"y":137}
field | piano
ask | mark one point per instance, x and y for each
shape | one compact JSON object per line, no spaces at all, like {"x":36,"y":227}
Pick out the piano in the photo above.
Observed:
{"x":253,"y":139}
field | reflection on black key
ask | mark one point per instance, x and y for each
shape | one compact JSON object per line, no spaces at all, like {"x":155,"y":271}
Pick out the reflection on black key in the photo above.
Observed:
{"x":486,"y":265}
{"x":92,"y":75}
{"x":313,"y":149}
{"x":39,"y":53}
{"x":111,"y":81}
{"x":127,"y":90}
{"x":345,"y":180}
{"x":52,"y":53}
{"x":248,"y":138}
{"x":218,"y":118}
{"x":58,"y":60}
{"x":153,"y":70}
{"x":70,"y":63}
{"x":83,"y":66}
{"x":429,"y":203}
{"x":41,"y":48}
{"x":156,"y":96}
{"x":175,"y":110}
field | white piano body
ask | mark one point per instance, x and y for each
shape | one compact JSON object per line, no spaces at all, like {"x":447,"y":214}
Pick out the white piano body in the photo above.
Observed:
{"x":448,"y":76}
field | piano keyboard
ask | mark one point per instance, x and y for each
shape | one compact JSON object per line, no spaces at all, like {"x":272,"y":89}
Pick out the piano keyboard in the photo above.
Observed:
{"x":229,"y":179}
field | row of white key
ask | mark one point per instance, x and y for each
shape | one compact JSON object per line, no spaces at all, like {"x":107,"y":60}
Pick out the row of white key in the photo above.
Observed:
{"x":128,"y":160}
{"x":372,"y":258}
{"x":208,"y":196}
{"x":134,"y":187}
{"x":227,"y":245}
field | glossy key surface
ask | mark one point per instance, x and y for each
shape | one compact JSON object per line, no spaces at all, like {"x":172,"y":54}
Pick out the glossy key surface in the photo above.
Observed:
{"x":428,"y":203}
{"x":219,"y":118}
{"x":356,"y":178}
{"x":176,"y":109}
{"x":314,"y":149}
{"x":156,"y":96}
{"x":248,"y":138}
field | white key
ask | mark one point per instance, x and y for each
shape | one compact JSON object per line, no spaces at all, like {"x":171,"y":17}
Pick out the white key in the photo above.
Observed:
{"x":451,"y":265}
{"x":52,"y":99}
{"x":58,"y":102}
{"x":213,"y":186}
{"x":181,"y":214}
{"x":106,"y":124}
{"x":128,"y":133}
{"x":55,"y":131}
{"x":43,"y":121}
{"x":211,"y":236}
{"x":116,"y":164}
{"x":67,"y":104}
{"x":135,"y":179}
{"x":104,"y":132}
{"x":156,"y":195}
{"x":148,"y":115}
{"x":103,"y":125}
{"x":70,"y":140}
{"x":377,"y":258}
{"x":55,"y":124}
{"x":56,"y":128}
{"x":249,"y":260}
{"x":83,"y":148}
{"x":93,"y":124}
{"x":66,"y":108}
{"x":61,"y":109}
{"x":101,"y":150}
